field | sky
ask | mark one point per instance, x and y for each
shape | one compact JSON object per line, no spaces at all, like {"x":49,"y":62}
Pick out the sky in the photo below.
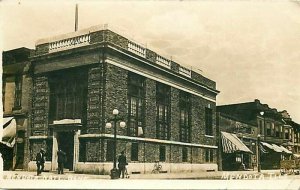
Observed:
{"x":250,"y":48}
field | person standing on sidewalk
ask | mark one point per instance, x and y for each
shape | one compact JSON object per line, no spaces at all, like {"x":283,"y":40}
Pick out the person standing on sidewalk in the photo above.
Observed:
{"x":61,"y":158}
{"x":122,"y":164}
{"x":40,"y":161}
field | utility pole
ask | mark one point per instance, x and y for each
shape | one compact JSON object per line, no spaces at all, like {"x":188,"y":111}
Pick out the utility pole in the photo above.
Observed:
{"x":76,"y":18}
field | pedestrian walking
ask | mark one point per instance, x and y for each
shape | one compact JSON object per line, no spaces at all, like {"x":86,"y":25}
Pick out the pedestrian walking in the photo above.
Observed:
{"x":122,"y":164}
{"x":61,"y":158}
{"x":40,"y":161}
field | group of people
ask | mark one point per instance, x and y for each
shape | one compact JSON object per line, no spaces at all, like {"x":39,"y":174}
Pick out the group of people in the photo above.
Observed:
{"x":41,"y":158}
{"x":61,"y":159}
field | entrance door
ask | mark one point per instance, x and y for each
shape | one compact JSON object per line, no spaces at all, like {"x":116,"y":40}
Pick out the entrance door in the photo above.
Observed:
{"x":65,"y":142}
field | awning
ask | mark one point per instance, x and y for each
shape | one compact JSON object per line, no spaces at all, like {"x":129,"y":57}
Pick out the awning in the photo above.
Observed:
{"x":296,"y":155}
{"x":273,"y":147}
{"x":277,"y":148}
{"x":267,"y":145}
{"x":286,"y":150}
{"x":6,"y":121}
{"x":9,"y":131}
{"x":231,"y":143}
{"x":262,"y":149}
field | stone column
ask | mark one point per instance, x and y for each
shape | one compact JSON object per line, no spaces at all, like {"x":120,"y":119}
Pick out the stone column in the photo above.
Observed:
{"x":54,"y":164}
{"x":76,"y":149}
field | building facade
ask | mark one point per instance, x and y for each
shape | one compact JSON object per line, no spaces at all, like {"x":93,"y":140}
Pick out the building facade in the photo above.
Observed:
{"x":252,"y":119}
{"x":247,"y":133}
{"x":78,"y":80}
{"x":16,"y":101}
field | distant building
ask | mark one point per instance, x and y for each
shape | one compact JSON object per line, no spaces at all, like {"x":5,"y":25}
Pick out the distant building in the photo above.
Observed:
{"x":250,"y":119}
{"x":16,"y":101}
{"x":79,"y":78}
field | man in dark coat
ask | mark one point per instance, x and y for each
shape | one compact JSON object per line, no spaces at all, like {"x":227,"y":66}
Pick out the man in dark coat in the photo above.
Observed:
{"x":40,"y":161}
{"x":122,"y":164}
{"x":61,"y":158}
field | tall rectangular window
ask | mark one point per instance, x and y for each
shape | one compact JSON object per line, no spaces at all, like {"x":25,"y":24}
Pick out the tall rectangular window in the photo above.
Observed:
{"x":286,"y":133}
{"x":268,"y":125}
{"x":82,"y":150}
{"x":208,"y":121}
{"x":162,"y":153}
{"x":273,"y":129}
{"x":134,"y":152}
{"x":162,"y":111}
{"x":136,"y":101}
{"x":277,"y":131}
{"x":185,"y":116}
{"x":3,"y":91}
{"x":68,"y":93}
{"x":109,"y":152}
{"x":18,"y":91}
{"x":184,"y":154}
{"x":261,"y":131}
{"x":209,"y":155}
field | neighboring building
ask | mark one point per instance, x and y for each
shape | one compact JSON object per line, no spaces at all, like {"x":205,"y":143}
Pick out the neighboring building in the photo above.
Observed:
{"x":233,"y":156}
{"x":16,"y":101}
{"x":293,"y":134}
{"x":250,"y":119}
{"x":79,"y":78}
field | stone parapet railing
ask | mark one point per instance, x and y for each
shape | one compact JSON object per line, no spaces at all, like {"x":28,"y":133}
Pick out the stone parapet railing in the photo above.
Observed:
{"x":100,"y":34}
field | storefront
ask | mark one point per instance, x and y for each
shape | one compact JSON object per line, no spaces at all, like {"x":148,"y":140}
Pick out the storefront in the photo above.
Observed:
{"x":7,"y":142}
{"x":233,"y":152}
{"x":275,"y":153}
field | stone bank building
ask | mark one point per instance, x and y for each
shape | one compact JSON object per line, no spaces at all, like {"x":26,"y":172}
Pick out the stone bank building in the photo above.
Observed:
{"x":79,"y":78}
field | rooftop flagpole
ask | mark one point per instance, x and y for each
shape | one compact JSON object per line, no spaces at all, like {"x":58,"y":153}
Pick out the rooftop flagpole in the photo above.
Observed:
{"x":76,"y":18}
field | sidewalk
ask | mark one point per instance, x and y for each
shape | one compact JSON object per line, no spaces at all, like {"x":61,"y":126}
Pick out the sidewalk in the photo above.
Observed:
{"x":74,"y":176}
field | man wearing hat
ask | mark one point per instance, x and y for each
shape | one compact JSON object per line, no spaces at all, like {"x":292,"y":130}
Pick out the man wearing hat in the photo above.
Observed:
{"x":40,"y":161}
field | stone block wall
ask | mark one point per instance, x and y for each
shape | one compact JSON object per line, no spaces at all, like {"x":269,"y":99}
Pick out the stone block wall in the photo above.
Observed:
{"x":37,"y":144}
{"x":40,"y":106}
{"x":203,"y":80}
{"x":198,"y":121}
{"x":93,"y":150}
{"x":175,"y":67}
{"x":151,"y":55}
{"x":115,"y":95}
{"x":40,"y":110}
{"x":116,"y":39}
{"x":96,"y":37}
{"x":175,"y":114}
{"x":42,"y":49}
{"x":150,"y":129}
{"x":94,"y":99}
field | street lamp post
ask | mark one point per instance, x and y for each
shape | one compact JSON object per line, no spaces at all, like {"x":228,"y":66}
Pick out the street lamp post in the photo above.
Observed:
{"x":252,"y":148}
{"x":258,"y":153}
{"x":114,"y":172}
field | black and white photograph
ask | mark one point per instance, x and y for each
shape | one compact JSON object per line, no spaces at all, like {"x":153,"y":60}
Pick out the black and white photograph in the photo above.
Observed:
{"x":150,"y":94}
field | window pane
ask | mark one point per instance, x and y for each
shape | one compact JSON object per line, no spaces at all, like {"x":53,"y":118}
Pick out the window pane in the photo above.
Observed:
{"x":162,"y":153}
{"x":136,"y":95}
{"x":18,"y":91}
{"x":211,"y":156}
{"x":68,"y":95}
{"x":184,"y":104}
{"x":134,"y":152}
{"x":109,"y":150}
{"x":184,"y":154}
{"x":208,"y":121}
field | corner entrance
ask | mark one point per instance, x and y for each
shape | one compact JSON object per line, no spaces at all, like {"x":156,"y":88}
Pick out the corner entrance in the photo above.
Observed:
{"x":65,"y":142}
